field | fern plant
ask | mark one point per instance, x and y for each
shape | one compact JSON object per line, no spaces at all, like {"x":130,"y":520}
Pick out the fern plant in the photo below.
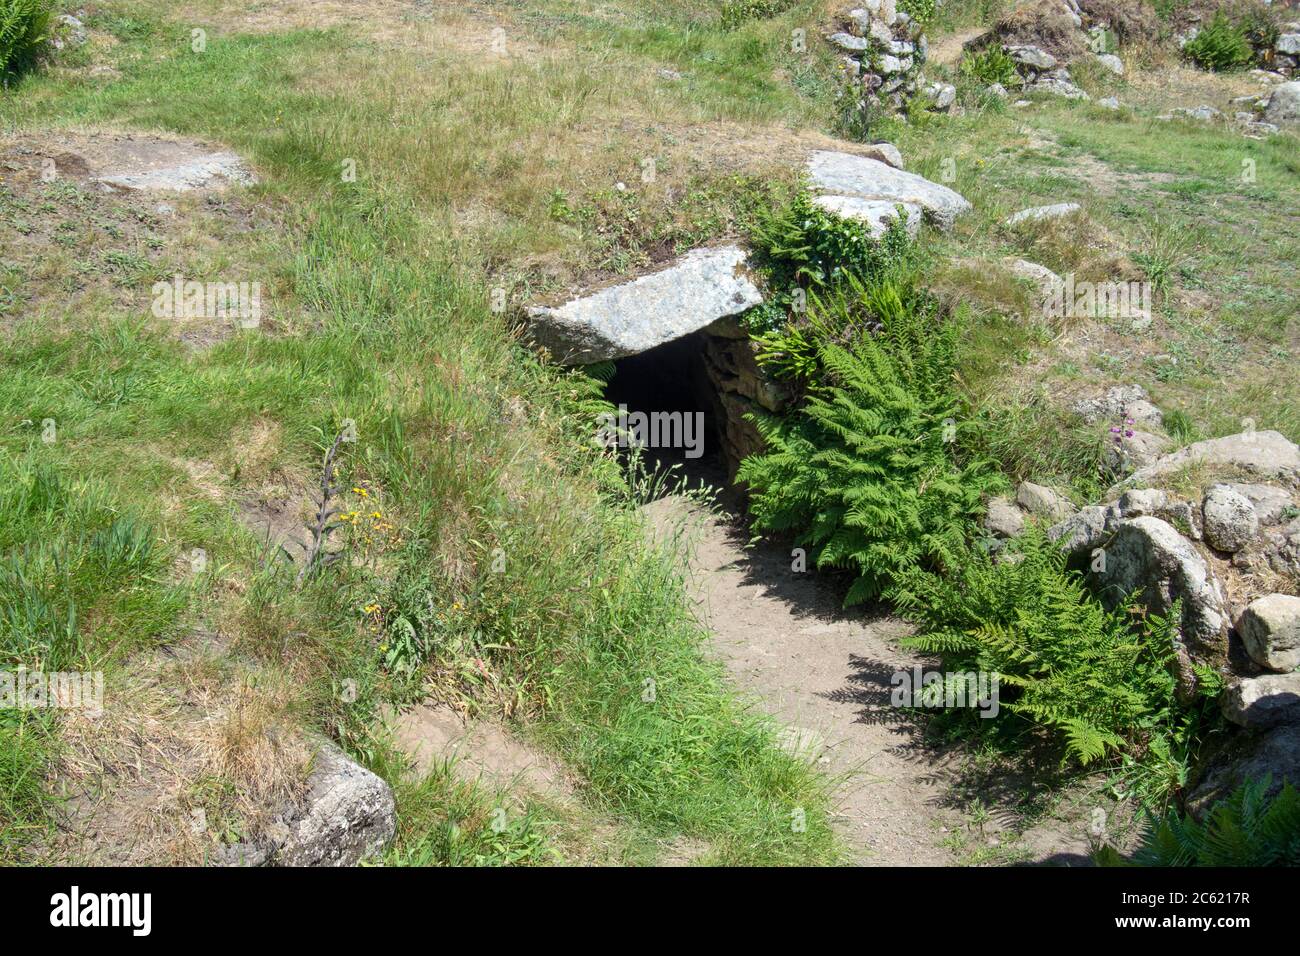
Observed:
{"x":1099,"y":681}
{"x":1221,"y":45}
{"x":1248,"y":828}
{"x":869,"y":473}
{"x":24,"y":27}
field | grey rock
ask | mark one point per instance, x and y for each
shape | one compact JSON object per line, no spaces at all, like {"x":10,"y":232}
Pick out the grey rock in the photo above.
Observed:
{"x":885,"y":153}
{"x":1274,"y":753}
{"x":1260,"y":702}
{"x":1284,"y":105}
{"x":699,"y":288}
{"x":944,"y":94}
{"x":1134,"y":449}
{"x":1109,"y":102}
{"x":1266,"y":454}
{"x":1269,"y":629}
{"x":1230,"y":522}
{"x":1201,"y":113}
{"x":843,"y":174}
{"x":68,"y":31}
{"x":1083,"y":531}
{"x":1030,"y":56}
{"x":1259,"y":130}
{"x":1041,"y":213}
{"x":876,"y":213}
{"x":1270,"y":501}
{"x":901,"y":48}
{"x":202,"y":172}
{"x":1149,"y":556}
{"x":881,"y":33}
{"x":1044,"y":279}
{"x":1111,"y":62}
{"x":1003,"y":518}
{"x":1119,"y":404}
{"x":1142,"y":501}
{"x":1288,"y":43}
{"x":998,"y":90}
{"x":861,"y":20}
{"x":1063,"y":88}
{"x":890,"y":64}
{"x":349,"y":815}
{"x":1043,"y":502}
{"x":847,"y":41}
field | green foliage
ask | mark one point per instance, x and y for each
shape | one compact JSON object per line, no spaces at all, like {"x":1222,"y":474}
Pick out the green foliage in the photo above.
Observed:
{"x":989,"y":66}
{"x":1220,"y":45}
{"x":922,"y":11}
{"x":736,"y":13}
{"x":804,"y":250}
{"x":1248,"y":828}
{"x":869,"y":472}
{"x":24,"y":27}
{"x":1098,"y":681}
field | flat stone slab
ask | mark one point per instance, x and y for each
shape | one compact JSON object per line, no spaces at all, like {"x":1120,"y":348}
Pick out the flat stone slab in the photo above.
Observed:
{"x":1040,"y":213}
{"x":1268,"y":454}
{"x":876,"y":213}
{"x":846,"y":175}
{"x":620,"y":320}
{"x":202,"y":171}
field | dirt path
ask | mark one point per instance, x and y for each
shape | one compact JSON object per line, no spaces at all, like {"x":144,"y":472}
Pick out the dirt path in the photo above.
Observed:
{"x":826,"y":674}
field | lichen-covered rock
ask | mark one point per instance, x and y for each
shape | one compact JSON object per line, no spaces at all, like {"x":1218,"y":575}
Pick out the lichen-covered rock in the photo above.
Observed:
{"x":1148,"y":556}
{"x":877,"y":214}
{"x":1274,"y":753}
{"x":1284,"y":105}
{"x":1082,"y":532}
{"x":1229,"y":519}
{"x":1120,"y":404}
{"x":843,"y":174}
{"x":1003,"y":518}
{"x":1043,"y":502}
{"x":632,"y":317}
{"x":1270,"y":501}
{"x":1042,"y":213}
{"x":1030,"y":56}
{"x":1266,"y":454}
{"x":1260,"y":702}
{"x":347,"y":816}
{"x":1133,"y":448}
{"x":1269,"y":629}
{"x":1111,"y":62}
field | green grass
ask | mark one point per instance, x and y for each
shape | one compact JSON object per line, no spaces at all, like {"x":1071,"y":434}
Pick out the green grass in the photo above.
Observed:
{"x":387,"y":324}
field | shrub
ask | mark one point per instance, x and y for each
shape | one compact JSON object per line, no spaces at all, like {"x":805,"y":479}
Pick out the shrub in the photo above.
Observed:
{"x":1099,"y":681}
{"x":868,"y":473}
{"x":1221,"y":45}
{"x":1248,"y":828}
{"x":989,"y":66}
{"x":800,"y":246}
{"x":736,"y":13}
{"x":24,"y":27}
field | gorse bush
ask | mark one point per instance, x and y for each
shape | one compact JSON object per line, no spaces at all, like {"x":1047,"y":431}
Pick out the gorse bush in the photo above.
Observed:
{"x":868,"y":472}
{"x":1221,"y":45}
{"x":1099,"y":681}
{"x":24,"y":27}
{"x":1248,"y":828}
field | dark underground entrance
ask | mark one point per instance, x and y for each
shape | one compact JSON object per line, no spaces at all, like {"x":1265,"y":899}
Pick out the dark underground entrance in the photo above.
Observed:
{"x":692,"y":395}
{"x":680,"y":412}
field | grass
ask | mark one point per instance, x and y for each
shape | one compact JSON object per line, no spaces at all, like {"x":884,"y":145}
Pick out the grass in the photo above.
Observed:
{"x":478,"y":173}
{"x":381,"y":315}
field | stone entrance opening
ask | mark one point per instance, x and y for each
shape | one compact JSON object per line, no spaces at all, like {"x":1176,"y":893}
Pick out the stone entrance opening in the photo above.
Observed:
{"x":666,"y":399}
{"x":690,"y":397}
